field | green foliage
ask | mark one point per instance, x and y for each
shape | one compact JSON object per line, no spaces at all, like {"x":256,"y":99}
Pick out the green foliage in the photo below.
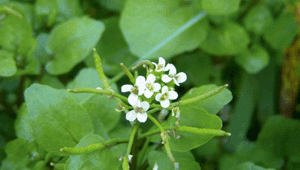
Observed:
{"x":69,"y":121}
{"x":212,"y":105}
{"x":228,"y":39}
{"x":7,"y":64}
{"x":166,"y":16}
{"x":70,"y":46}
{"x":220,"y":7}
{"x":107,"y":159}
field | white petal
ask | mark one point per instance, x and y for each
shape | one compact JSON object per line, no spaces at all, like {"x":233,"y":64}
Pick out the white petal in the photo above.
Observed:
{"x":162,"y":61}
{"x":155,"y":167}
{"x":145,"y":105}
{"x":173,"y":95}
{"x":140,"y":80}
{"x":142,"y":117}
{"x":133,"y":99}
{"x":142,"y":89}
{"x":156,"y":87}
{"x":172,"y":69}
{"x":148,"y":93}
{"x":165,"y":103}
{"x":175,"y":81}
{"x":151,"y":78}
{"x":131,"y":115}
{"x":165,"y":78}
{"x":164,"y":89}
{"x":126,"y":88}
{"x":138,"y":103}
{"x":158,"y":96}
{"x":181,"y":77}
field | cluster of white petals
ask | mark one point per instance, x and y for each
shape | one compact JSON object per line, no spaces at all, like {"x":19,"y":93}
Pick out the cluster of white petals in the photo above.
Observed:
{"x":165,"y":96}
{"x":139,"y":112}
{"x":148,"y":87}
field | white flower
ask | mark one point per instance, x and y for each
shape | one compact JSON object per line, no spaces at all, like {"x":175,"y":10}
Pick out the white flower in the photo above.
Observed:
{"x":130,"y":157}
{"x":137,"y":90}
{"x":139,"y":112}
{"x":161,"y":65}
{"x":165,"y":96}
{"x":151,"y":87}
{"x":155,"y":167}
{"x":178,"y":78}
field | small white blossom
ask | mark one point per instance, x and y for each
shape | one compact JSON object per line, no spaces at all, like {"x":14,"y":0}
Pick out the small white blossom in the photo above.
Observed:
{"x":139,"y":112}
{"x":137,"y":90}
{"x":161,"y":65}
{"x":151,"y":87}
{"x":165,"y":96}
{"x":130,"y":157}
{"x":178,"y":78}
{"x":155,"y":167}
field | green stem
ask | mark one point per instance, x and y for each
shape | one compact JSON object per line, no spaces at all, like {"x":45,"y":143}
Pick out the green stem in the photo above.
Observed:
{"x":93,"y":147}
{"x":201,"y":97}
{"x":164,"y":139}
{"x":187,"y":129}
{"x":131,"y":140}
{"x":100,"y":70}
{"x":127,"y":72}
{"x":147,"y":62}
{"x":143,"y":151}
{"x":153,"y":110}
{"x":10,"y":11}
{"x":98,"y":91}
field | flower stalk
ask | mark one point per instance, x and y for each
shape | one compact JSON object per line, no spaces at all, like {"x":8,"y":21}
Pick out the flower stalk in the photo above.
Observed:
{"x":100,"y":70}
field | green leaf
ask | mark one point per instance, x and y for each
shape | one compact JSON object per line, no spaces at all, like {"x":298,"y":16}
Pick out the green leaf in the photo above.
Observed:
{"x":112,"y":48}
{"x":254,"y":59}
{"x":57,"y":120}
{"x":68,"y":9}
{"x":185,"y":159}
{"x":275,"y":6}
{"x":194,"y":64}
{"x":250,"y":166}
{"x":70,"y":42}
{"x":21,"y":152}
{"x":22,"y":124}
{"x":228,"y":39}
{"x":191,"y":137}
{"x":41,"y":53}
{"x":7,"y":63}
{"x":146,"y":24}
{"x":210,"y":149}
{"x":257,"y":19}
{"x":46,"y":10}
{"x":242,"y":112}
{"x":282,"y":32}
{"x":212,"y":104}
{"x":10,"y":33}
{"x":280,"y":136}
{"x":220,"y":7}
{"x":100,"y":107}
{"x":106,"y":159}
{"x":53,"y":82}
{"x":114,"y":5}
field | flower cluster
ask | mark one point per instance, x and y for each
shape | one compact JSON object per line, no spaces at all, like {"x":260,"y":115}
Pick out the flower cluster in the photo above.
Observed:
{"x":158,"y":86}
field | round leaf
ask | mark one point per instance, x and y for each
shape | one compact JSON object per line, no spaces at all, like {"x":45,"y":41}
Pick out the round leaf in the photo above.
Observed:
{"x":146,"y":24}
{"x":257,"y":19}
{"x":7,"y":64}
{"x":254,"y":59}
{"x":57,"y":120}
{"x":228,"y":39}
{"x":220,"y":7}
{"x":71,"y":42}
